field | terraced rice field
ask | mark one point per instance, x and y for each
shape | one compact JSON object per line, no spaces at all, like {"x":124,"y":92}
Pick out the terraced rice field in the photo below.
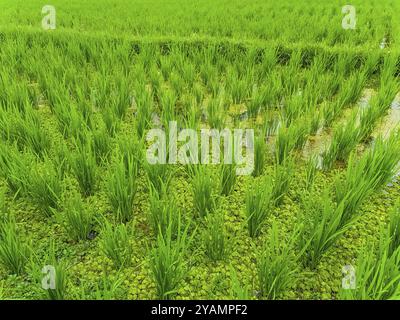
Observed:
{"x":84,"y":214}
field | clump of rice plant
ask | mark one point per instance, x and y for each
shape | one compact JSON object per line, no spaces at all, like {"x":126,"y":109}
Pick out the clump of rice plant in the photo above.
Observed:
{"x":321,"y":227}
{"x":367,"y":174}
{"x":203,"y":191}
{"x":228,"y":178}
{"x":61,"y":160}
{"x":77,"y":220}
{"x":144,"y":101}
{"x":377,"y":274}
{"x":121,"y":187}
{"x":216,"y":113}
{"x":14,"y":168}
{"x":311,"y":171}
{"x":101,"y":145}
{"x":260,"y":149}
{"x":158,"y":174}
{"x":32,"y":134}
{"x":167,"y":262}
{"x":345,"y":139}
{"x":289,"y":138}
{"x":14,"y":252}
{"x":55,"y":283}
{"x":111,"y":122}
{"x":84,"y":166}
{"x":164,"y":212}
{"x":277,"y":266}
{"x":214,"y":236}
{"x":259,"y":203}
{"x":45,"y":188}
{"x":114,"y":243}
{"x":282,"y":178}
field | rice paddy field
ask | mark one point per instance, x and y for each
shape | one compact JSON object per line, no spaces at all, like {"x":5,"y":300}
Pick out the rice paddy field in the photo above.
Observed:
{"x":84,"y":215}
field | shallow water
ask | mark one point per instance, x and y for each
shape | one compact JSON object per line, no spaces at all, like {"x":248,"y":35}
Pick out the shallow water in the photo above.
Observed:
{"x":391,"y":121}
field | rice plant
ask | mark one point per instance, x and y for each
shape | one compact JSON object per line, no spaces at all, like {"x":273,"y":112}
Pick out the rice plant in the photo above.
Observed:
{"x":277,"y":267}
{"x":56,"y":279}
{"x":158,"y":175}
{"x":122,"y":187}
{"x":101,"y":145}
{"x":45,"y":188}
{"x":321,"y":227}
{"x":259,"y":203}
{"x":114,"y":243}
{"x":228,"y":178}
{"x":164,"y":212}
{"x":31,"y":132}
{"x":77,"y":220}
{"x":311,"y":171}
{"x":84,"y":166}
{"x":215,"y":239}
{"x":260,"y":149}
{"x":14,"y":251}
{"x":167,"y":262}
{"x":377,"y":274}
{"x":282,"y":179}
{"x":204,"y":201}
{"x":345,"y":139}
{"x":14,"y":169}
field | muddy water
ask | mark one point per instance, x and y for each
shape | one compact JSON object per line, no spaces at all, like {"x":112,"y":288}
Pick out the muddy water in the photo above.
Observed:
{"x":391,"y":121}
{"x":317,"y":144}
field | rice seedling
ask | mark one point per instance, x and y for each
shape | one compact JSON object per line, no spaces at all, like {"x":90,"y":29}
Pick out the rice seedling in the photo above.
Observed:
{"x":259,"y":203}
{"x":45,"y":188}
{"x":159,"y":175}
{"x":84,"y":166}
{"x":144,"y":110}
{"x":14,"y":169}
{"x":345,"y":139}
{"x":204,"y":201}
{"x":69,"y":119}
{"x":77,"y":220}
{"x":215,"y":113}
{"x":122,"y":187}
{"x":321,"y":227}
{"x":368,"y":174}
{"x":167,"y":261}
{"x":56,"y":288}
{"x":282,"y":178}
{"x":214,"y":237}
{"x":101,"y":145}
{"x":111,"y":122}
{"x":164,"y":213}
{"x":120,"y":101}
{"x":114,"y":243}
{"x":377,"y":274}
{"x":277,"y":267}
{"x":14,"y":251}
{"x":32,"y":134}
{"x":228,"y":178}
{"x":311,"y":171}
{"x":260,"y":149}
